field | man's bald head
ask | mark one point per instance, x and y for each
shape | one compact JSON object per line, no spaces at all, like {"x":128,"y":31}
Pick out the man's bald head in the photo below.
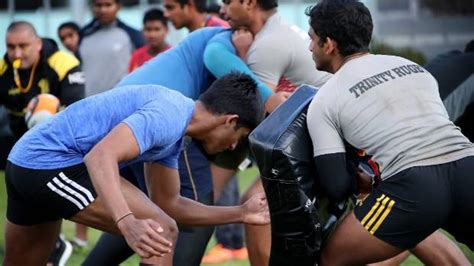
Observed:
{"x":21,"y":26}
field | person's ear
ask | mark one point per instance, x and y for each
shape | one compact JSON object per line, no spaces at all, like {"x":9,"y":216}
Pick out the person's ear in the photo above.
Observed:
{"x":231,"y":119}
{"x":250,"y":4}
{"x":330,"y":46}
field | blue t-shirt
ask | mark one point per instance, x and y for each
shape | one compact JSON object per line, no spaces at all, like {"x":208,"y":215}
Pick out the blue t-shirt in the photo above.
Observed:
{"x":192,"y":65}
{"x":158,"y":118}
{"x":180,"y":68}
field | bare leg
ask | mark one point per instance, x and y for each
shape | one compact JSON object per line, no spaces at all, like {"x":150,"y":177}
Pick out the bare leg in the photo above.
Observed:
{"x":359,"y":246}
{"x":395,"y":261}
{"x":257,"y":238}
{"x":81,"y":232}
{"x":438,"y":249}
{"x":30,"y":245}
{"x":95,"y":215}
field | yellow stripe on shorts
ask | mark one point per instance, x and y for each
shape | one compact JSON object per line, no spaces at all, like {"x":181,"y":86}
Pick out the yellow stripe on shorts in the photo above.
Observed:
{"x":382,"y":218}
{"x":377,"y":214}
{"x":372,"y":210}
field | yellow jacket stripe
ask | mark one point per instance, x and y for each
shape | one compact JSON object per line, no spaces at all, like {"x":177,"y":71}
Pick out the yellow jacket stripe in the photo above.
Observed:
{"x":3,"y":66}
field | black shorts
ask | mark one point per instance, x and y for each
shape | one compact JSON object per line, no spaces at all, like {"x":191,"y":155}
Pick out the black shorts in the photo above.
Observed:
{"x":38,"y":196}
{"x":409,"y":206}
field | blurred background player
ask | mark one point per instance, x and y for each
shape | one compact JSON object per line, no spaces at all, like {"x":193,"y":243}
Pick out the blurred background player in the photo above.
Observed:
{"x":454,"y":72}
{"x":32,"y":66}
{"x":191,"y":14}
{"x":155,"y":30}
{"x":106,"y":46}
{"x":68,"y":33}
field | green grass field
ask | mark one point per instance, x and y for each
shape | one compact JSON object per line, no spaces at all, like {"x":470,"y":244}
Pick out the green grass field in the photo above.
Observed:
{"x":245,"y":178}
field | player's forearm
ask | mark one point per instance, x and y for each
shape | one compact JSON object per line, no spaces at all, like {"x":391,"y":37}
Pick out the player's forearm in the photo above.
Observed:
{"x":220,"y":61}
{"x":190,"y":212}
{"x":103,"y":171}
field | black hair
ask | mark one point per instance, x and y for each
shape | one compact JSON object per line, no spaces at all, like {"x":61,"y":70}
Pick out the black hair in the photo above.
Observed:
{"x":235,"y":93}
{"x":201,"y":5}
{"x":469,"y":47}
{"x":213,"y":7}
{"x":155,"y":14}
{"x":17,"y":25}
{"x":70,"y":24}
{"x":267,"y":4}
{"x":348,"y":22}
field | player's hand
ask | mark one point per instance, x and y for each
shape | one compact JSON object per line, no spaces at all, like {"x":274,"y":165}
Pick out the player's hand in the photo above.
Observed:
{"x":145,"y":237}
{"x":256,"y":210}
{"x":275,"y":100}
{"x":242,"y":39}
{"x":364,"y":182}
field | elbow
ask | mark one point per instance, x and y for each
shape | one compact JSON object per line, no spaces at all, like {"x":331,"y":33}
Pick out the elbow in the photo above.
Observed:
{"x":336,"y":183}
{"x":337,"y":191}
{"x":93,"y":156}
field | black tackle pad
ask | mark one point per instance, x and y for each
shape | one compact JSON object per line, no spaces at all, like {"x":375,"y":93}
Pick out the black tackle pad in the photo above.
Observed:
{"x":284,"y":154}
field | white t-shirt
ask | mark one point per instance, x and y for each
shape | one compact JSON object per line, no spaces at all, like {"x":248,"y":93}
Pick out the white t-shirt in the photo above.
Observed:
{"x":390,"y":108}
{"x":280,"y":50}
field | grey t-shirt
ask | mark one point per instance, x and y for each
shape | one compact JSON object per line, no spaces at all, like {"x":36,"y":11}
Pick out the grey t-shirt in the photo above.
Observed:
{"x":390,"y":108}
{"x":105,"y":55}
{"x":280,"y":52}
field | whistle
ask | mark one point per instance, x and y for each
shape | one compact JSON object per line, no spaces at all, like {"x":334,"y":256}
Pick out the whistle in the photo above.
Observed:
{"x":16,"y":63}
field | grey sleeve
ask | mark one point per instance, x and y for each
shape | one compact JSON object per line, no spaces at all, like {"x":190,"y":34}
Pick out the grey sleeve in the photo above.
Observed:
{"x":323,"y":126}
{"x":460,"y":98}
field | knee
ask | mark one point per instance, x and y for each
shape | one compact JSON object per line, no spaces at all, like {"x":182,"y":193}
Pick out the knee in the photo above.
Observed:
{"x":170,"y":228}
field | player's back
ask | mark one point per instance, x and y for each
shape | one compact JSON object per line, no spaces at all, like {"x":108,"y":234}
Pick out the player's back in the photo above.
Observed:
{"x":180,"y":68}
{"x":157,"y":117}
{"x":390,"y":108}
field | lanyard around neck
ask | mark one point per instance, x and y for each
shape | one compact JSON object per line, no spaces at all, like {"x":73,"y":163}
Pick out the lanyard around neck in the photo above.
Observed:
{"x":16,"y":75}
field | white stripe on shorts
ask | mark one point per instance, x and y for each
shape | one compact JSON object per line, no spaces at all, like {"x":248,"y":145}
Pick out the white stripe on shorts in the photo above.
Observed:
{"x":64,"y":195}
{"x":77,"y":186}
{"x":70,"y":191}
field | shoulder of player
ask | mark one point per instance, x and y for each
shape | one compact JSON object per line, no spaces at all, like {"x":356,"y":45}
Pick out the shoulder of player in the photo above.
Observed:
{"x":62,"y":62}
{"x":3,"y":66}
{"x":330,"y":89}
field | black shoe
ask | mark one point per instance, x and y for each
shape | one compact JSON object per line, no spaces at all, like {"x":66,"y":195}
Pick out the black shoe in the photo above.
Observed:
{"x":61,"y":253}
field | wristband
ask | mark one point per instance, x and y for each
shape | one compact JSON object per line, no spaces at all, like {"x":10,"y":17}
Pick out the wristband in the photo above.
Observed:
{"x":121,"y":218}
